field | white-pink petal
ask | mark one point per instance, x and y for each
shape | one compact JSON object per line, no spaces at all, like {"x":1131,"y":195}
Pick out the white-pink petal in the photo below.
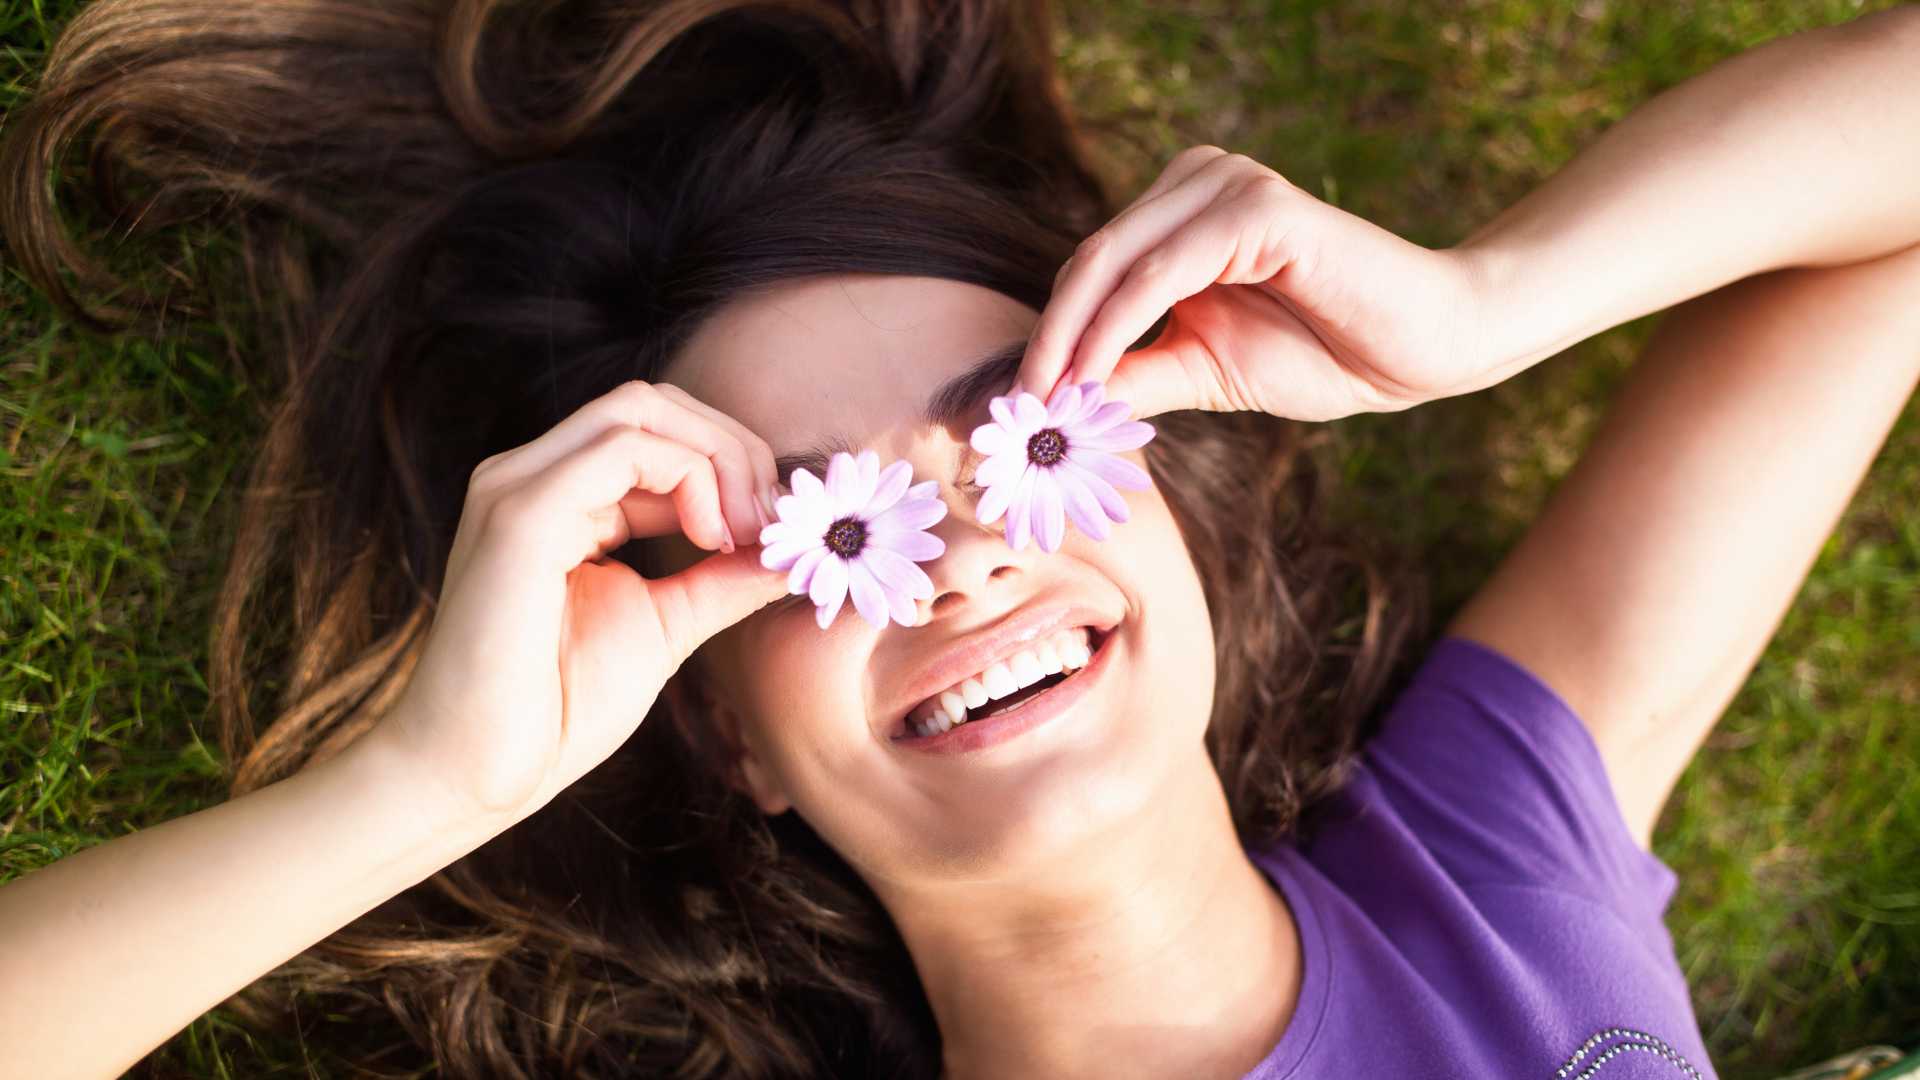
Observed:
{"x":907,"y":515}
{"x":801,"y":575}
{"x":1049,"y":522}
{"x":992,"y":439}
{"x":896,"y":572}
{"x":890,"y":485}
{"x":1100,"y":419}
{"x":868,"y":599}
{"x":1000,"y":469}
{"x":849,"y":484}
{"x":1031,"y":415}
{"x":783,"y":554}
{"x":1111,"y":502}
{"x":1128,"y":435}
{"x":1020,"y":509}
{"x":829,"y":581}
{"x":1079,"y":502}
{"x":806,"y":485}
{"x":1001,"y":409}
{"x":1119,"y":472}
{"x":918,"y":546}
{"x":1063,"y":405}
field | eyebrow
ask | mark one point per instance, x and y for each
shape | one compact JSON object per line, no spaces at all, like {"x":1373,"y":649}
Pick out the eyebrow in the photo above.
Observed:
{"x":952,"y":402}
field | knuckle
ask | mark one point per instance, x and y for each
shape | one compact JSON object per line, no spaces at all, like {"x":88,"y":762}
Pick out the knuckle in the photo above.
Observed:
{"x":507,"y":514}
{"x":1091,"y":247}
{"x":636,"y":391}
{"x":1201,"y":152}
{"x":1264,"y":188}
{"x":1152,"y":267}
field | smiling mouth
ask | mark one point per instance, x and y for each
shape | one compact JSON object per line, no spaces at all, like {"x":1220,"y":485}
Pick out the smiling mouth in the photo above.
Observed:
{"x":1006,"y":684}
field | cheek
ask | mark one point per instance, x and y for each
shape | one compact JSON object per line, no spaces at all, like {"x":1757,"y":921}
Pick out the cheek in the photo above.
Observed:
{"x":803,"y":695}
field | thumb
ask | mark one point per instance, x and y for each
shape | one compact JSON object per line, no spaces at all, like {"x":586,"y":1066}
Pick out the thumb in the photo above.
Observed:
{"x":710,"y":596}
{"x":1154,"y":380}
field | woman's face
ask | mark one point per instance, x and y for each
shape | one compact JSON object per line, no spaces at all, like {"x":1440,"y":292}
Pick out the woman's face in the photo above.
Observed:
{"x":816,"y":714}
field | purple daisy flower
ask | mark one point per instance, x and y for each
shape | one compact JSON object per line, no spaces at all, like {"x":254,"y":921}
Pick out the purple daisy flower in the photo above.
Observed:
{"x":1047,"y":463}
{"x":858,"y":533}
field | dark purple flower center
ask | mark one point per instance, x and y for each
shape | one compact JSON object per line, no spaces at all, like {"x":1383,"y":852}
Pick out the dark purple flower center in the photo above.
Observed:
{"x":1046,"y":447}
{"x":846,"y":537}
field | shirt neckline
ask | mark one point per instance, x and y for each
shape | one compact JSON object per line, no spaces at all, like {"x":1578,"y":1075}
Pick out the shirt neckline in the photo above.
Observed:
{"x":1282,"y":863}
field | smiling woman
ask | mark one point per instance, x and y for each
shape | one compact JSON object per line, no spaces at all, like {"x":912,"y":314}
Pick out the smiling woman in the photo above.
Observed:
{"x":468,"y":228}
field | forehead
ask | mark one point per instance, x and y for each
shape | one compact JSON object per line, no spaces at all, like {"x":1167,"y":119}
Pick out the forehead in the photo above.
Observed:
{"x":843,"y":355}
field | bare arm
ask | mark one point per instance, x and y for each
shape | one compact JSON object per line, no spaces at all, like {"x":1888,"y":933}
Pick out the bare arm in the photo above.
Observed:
{"x":107,"y":953}
{"x":1663,"y":564}
{"x":1799,"y":152}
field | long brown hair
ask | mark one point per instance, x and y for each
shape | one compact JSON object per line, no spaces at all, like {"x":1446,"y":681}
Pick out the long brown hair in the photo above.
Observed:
{"x":450,"y":225}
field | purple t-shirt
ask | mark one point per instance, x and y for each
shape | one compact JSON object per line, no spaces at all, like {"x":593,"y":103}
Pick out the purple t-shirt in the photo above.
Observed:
{"x":1473,"y":905}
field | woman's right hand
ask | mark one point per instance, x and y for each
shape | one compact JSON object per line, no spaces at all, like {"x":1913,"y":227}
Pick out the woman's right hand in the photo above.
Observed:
{"x":544,"y":656}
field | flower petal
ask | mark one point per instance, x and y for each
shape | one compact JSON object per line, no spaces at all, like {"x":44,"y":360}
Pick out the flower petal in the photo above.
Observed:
{"x":999,"y":469}
{"x":1119,"y":472}
{"x":781,"y":555}
{"x":806,"y":485}
{"x":918,"y":546}
{"x":829,"y":582}
{"x":1020,"y":510}
{"x":847,"y":482}
{"x":1080,"y":504}
{"x":801,"y":575}
{"x":1031,"y":414}
{"x":868,"y":598}
{"x":1126,"y":435}
{"x":823,"y":614}
{"x":1002,"y":410}
{"x":1111,"y":502}
{"x":993,"y":439}
{"x":891,"y":484}
{"x":1049,"y":524}
{"x":902,"y":609}
{"x":1100,"y":419}
{"x":907,"y":515}
{"x":995,"y":501}
{"x":925,"y":489}
{"x":896,"y":572}
{"x":808,"y":513}
{"x":1064,"y":403}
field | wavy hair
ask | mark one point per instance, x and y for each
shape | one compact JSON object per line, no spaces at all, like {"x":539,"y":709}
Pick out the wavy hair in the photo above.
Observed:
{"x":449,"y":225}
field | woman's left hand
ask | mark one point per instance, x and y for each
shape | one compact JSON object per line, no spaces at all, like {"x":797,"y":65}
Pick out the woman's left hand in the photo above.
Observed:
{"x":1276,"y":301}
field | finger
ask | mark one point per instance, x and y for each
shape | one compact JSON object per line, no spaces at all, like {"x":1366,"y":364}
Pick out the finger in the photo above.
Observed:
{"x":1224,"y":243}
{"x":569,"y":501}
{"x":1182,"y":165}
{"x":710,"y":596}
{"x":643,"y":405}
{"x":1155,"y":379}
{"x":1100,"y":260}
{"x":766,"y":476}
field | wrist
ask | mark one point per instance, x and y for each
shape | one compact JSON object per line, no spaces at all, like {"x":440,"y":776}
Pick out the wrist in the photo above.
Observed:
{"x":1524,"y":306}
{"x":392,"y":773}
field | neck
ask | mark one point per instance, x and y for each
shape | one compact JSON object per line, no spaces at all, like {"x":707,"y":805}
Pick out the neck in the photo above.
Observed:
{"x":1157,"y":944}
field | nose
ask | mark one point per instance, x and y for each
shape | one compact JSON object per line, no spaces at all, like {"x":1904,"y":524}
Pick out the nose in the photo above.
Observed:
{"x":976,"y":566}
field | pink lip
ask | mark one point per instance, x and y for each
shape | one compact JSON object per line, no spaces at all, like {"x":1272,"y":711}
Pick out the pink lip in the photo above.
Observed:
{"x":976,"y":651}
{"x":1029,"y":714}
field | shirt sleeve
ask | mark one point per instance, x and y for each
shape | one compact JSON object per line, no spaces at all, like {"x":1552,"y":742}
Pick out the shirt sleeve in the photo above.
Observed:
{"x":1500,"y":779}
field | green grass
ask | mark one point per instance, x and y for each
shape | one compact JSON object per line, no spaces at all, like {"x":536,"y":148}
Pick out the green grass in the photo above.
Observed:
{"x":1794,"y":833}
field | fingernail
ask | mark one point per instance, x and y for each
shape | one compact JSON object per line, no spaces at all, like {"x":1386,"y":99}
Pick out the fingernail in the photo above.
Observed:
{"x":726,"y":537}
{"x":768,"y":496}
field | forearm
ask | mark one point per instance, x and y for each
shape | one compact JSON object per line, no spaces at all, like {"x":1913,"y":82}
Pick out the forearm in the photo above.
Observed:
{"x":1801,"y":152}
{"x":107,"y":953}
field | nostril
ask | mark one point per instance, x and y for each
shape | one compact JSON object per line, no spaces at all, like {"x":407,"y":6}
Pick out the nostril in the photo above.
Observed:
{"x":999,"y":571}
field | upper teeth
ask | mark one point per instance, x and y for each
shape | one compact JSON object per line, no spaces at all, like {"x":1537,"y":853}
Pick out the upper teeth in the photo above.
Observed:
{"x":1066,"y":650}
